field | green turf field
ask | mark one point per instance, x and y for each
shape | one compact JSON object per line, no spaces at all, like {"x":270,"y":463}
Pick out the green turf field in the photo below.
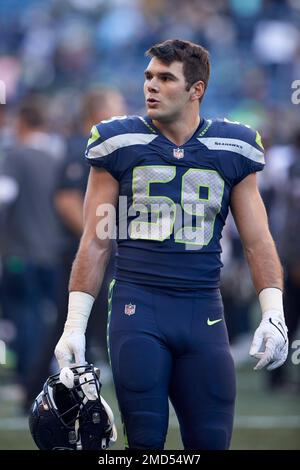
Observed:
{"x":264,"y":420}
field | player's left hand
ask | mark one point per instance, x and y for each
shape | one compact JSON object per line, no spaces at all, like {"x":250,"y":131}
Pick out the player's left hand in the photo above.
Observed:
{"x":270,"y":343}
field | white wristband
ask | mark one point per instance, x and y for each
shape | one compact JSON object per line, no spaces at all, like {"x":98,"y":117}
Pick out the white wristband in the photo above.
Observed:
{"x":80,"y":306}
{"x":271,"y":300}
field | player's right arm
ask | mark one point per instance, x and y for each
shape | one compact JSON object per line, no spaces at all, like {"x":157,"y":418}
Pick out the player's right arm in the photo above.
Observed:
{"x":88,"y":268}
{"x":93,"y":254}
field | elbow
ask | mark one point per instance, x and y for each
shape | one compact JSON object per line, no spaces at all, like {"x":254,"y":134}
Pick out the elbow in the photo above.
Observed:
{"x":250,"y":251}
{"x":254,"y":250}
{"x":260,"y":245}
{"x":263,"y":252}
{"x":95,"y":248}
{"x":101,"y":248}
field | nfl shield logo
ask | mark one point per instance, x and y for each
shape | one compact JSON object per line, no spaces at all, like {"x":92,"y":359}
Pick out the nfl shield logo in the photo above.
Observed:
{"x":129,"y":309}
{"x":178,"y":153}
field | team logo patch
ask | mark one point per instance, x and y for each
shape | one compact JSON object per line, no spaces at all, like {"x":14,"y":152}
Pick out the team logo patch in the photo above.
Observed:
{"x":178,"y":153}
{"x":129,"y":309}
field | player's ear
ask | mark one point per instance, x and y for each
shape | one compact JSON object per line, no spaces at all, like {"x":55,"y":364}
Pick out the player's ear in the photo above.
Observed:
{"x":197,"y":90}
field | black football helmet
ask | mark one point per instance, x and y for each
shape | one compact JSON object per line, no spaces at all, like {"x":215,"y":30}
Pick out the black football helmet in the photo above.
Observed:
{"x":72,"y":417}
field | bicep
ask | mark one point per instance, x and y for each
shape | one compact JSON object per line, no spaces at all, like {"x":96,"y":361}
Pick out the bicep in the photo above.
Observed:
{"x":249,"y":212}
{"x":102,"y":194}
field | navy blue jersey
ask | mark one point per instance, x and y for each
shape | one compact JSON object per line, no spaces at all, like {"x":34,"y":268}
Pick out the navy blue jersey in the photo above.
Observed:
{"x":176,"y":199}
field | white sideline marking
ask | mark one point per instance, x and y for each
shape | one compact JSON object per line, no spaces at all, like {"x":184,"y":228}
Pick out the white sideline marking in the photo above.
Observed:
{"x":247,"y":422}
{"x":258,"y":422}
{"x":13,"y":424}
{"x":267,"y":422}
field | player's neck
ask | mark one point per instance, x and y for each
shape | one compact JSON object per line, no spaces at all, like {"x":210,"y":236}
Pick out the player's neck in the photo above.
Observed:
{"x":179,"y":131}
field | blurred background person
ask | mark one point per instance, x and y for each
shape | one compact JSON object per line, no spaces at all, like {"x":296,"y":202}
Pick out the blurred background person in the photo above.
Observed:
{"x":30,"y":235}
{"x":281,"y":187}
{"x":97,"y":105}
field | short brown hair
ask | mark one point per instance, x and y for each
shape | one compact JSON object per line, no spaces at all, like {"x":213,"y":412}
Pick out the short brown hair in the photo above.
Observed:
{"x":195,"y":59}
{"x":32,"y":111}
{"x":92,"y":100}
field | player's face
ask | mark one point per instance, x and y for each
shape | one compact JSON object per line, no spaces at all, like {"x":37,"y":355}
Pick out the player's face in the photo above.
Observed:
{"x":165,"y":90}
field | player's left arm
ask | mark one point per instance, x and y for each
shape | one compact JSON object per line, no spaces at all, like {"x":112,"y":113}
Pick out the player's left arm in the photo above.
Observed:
{"x":251,"y":219}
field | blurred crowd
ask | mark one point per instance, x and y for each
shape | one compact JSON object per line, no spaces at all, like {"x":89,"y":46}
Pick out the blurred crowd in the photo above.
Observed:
{"x":61,"y":46}
{"x":67,"y":64}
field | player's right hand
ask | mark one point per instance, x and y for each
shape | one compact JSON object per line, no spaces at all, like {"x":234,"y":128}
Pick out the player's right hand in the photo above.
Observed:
{"x":70,"y":348}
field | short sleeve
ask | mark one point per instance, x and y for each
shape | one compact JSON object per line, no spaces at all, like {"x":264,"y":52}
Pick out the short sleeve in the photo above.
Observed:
{"x":252,"y":157}
{"x":101,"y":151}
{"x":73,"y":172}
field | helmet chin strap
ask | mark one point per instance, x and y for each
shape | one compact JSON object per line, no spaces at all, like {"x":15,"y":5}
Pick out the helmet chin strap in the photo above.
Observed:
{"x":78,"y":441}
{"x":110,"y":415}
{"x":76,"y":426}
{"x":88,"y":386}
{"x":66,"y":377}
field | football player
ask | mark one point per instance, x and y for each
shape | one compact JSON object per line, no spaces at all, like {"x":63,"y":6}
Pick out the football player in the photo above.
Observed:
{"x":179,"y":174}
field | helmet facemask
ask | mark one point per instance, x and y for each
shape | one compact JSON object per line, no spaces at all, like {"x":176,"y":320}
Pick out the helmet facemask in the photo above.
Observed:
{"x":74,"y":417}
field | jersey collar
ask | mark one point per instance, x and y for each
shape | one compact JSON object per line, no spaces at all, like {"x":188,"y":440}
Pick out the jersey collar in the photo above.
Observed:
{"x":149,"y":124}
